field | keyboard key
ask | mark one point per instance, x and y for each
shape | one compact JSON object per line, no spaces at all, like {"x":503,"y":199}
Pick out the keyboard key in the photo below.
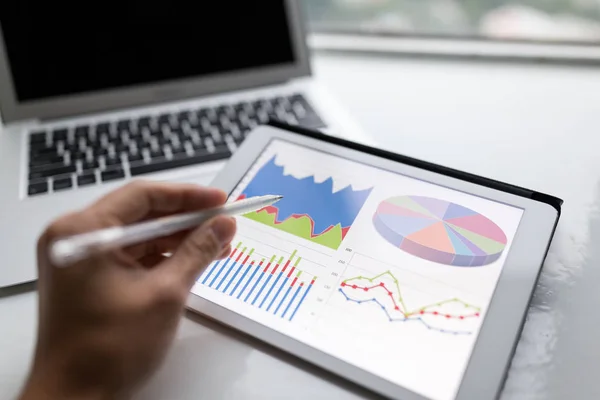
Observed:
{"x":89,"y":165}
{"x":82,"y":132}
{"x":62,"y":184}
{"x":37,"y":137}
{"x":102,"y":128}
{"x":86,"y":179}
{"x":110,"y":161}
{"x":112,"y":174}
{"x":135,"y":157}
{"x":59,"y":134}
{"x":37,"y":188}
{"x":50,"y":170}
{"x":198,"y":158}
{"x":45,"y":159}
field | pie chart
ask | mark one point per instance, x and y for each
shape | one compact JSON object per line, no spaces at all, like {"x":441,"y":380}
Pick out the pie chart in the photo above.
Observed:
{"x":439,"y":231}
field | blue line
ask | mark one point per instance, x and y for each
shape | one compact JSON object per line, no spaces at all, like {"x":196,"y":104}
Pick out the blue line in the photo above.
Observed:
{"x":258,"y":267}
{"x":291,"y":301}
{"x":282,"y":300}
{"x":226,"y":275}
{"x":301,"y":300}
{"x":278,"y":291}
{"x":405,"y":319}
{"x":241,"y":280}
{"x":270,"y":290}
{"x":210,"y":271}
{"x":219,"y":273}
{"x":237,"y":271}
{"x":263,"y":287}
{"x":254,"y":286}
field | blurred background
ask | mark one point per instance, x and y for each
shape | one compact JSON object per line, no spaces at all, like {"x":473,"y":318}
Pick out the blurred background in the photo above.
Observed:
{"x":548,"y":21}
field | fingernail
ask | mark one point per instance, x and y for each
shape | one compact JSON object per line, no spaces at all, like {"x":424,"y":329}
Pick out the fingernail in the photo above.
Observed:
{"x":223,"y":230}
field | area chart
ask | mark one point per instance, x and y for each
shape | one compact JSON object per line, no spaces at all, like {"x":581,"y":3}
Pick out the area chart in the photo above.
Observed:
{"x":439,"y":231}
{"x":309,"y":209}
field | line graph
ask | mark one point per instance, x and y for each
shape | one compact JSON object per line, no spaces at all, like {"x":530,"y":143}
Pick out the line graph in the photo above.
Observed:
{"x":385,"y":291}
{"x":309,"y":209}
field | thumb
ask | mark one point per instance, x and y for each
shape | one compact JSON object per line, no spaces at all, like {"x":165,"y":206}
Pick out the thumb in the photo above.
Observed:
{"x":201,"y":247}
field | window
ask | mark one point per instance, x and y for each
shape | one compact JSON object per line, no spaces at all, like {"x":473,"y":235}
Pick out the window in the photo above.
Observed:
{"x":545,"y":21}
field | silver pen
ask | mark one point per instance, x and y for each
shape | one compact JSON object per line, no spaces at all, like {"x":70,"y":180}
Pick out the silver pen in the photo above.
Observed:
{"x":75,"y":248}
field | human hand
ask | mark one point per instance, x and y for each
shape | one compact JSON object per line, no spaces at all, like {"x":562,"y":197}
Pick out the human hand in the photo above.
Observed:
{"x":106,"y":323}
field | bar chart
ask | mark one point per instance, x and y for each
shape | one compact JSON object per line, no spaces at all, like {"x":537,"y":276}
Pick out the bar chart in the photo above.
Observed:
{"x":275,"y":285}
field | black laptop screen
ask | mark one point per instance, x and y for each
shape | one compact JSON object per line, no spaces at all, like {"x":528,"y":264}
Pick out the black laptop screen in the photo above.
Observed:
{"x":62,"y":48}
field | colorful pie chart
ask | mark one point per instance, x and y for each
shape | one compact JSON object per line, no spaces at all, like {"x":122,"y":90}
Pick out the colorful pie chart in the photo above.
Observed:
{"x":439,"y":231}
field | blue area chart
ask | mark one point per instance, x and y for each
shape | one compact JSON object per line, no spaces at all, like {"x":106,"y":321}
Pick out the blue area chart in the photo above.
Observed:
{"x":306,"y":197}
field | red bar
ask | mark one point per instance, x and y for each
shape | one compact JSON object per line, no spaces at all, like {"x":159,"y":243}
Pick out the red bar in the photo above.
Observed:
{"x":233,"y":253}
{"x":301,"y":284}
{"x":259,"y":264}
{"x":245,"y":260}
{"x":252,"y":263}
{"x":286,"y":265}
{"x":240,"y":256}
{"x":275,"y":269}
{"x":312,"y":282}
{"x":294,"y":281}
{"x":267,"y":267}
{"x":290,"y":273}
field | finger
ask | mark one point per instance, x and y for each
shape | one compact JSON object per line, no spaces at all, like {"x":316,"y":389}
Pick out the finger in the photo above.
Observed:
{"x":225,"y":252}
{"x":201,"y":247}
{"x":162,"y":245}
{"x":138,"y":199}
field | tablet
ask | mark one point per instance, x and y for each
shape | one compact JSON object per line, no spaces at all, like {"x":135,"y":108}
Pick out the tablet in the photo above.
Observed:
{"x":407,"y":278}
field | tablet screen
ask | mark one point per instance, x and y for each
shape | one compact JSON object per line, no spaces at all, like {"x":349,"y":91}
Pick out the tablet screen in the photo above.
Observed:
{"x":383,"y":271}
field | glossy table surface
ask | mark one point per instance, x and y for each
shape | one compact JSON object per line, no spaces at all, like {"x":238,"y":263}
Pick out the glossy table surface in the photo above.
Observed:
{"x":531,"y":125}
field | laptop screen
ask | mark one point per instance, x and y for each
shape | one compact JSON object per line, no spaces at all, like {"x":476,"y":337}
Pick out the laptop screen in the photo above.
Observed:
{"x":56,"y":48}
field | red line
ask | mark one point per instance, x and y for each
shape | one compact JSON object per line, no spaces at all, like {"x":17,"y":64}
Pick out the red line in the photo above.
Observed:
{"x":312,"y":282}
{"x":275,"y":269}
{"x":294,"y":281}
{"x":232,"y":253}
{"x":267,"y":267}
{"x":301,"y":284}
{"x":275,"y":210}
{"x":240,"y":256}
{"x":286,"y":265}
{"x":246,"y":260}
{"x":397,"y":308}
{"x":290,"y":273}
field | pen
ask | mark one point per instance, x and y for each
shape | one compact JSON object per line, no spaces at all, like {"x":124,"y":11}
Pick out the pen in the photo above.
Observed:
{"x":78,"y":247}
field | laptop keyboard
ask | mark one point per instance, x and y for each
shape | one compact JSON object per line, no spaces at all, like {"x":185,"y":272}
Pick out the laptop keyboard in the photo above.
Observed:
{"x":68,"y":158}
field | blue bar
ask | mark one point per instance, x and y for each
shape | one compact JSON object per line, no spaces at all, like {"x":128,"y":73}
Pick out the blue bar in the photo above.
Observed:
{"x":241,"y":279}
{"x":226,"y":275}
{"x":271,"y":289}
{"x":249,"y":280}
{"x":254,"y":286}
{"x":219,"y":273}
{"x":277,"y":294}
{"x":210,"y":271}
{"x":291,"y":301}
{"x":263,"y":287}
{"x":282,"y":300}
{"x":301,"y":300}
{"x":237,"y":271}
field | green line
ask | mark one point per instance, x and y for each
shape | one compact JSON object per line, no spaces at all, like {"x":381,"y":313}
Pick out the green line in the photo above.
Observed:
{"x":401,"y":300}
{"x":238,"y":245}
{"x":298,"y":274}
{"x":297,"y":261}
{"x":293,"y":254}
{"x":280,"y":261}
{"x":251,"y":251}
{"x":272,"y":258}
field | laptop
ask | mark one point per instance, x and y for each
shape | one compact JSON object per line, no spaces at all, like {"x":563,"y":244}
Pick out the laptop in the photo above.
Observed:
{"x":96,"y":94}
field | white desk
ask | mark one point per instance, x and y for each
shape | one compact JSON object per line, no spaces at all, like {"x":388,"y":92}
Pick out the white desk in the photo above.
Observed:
{"x":530,"y":125}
